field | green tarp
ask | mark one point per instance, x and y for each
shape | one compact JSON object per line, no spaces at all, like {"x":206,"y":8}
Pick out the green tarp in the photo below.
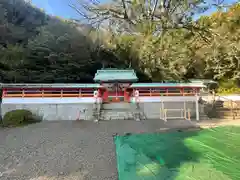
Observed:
{"x":191,"y":155}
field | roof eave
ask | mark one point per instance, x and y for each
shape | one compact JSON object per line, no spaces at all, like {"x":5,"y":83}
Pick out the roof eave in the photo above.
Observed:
{"x":50,"y":85}
{"x":162,"y":85}
{"x":116,"y":80}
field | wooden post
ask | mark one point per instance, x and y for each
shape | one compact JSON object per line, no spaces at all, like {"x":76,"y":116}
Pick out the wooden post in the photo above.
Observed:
{"x":232,"y":112}
{"x":182,"y":92}
{"x":182,"y":113}
{"x":79,"y":93}
{"x":4,"y":93}
{"x":185,"y":111}
{"x":160,"y":113}
{"x":61,"y":93}
{"x":197,"y":108}
{"x":165,"y":115}
{"x":125,"y":95}
{"x":162,"y":109}
{"x":189,"y":114}
{"x":99,"y":95}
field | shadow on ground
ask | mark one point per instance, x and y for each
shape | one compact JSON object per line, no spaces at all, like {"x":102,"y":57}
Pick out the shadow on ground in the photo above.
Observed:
{"x":154,"y":156}
{"x":196,"y":154}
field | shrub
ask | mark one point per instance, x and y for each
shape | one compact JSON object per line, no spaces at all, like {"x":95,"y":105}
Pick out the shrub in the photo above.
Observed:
{"x":228,"y":91}
{"x":19,"y":117}
{"x":228,"y":87}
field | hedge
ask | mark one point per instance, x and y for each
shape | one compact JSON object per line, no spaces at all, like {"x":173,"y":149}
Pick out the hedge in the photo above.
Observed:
{"x":19,"y":117}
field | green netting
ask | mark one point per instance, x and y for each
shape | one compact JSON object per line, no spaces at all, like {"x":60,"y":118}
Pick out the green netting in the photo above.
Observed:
{"x":191,"y":155}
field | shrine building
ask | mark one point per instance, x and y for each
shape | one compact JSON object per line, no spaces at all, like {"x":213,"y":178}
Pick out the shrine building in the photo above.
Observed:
{"x":116,"y":94}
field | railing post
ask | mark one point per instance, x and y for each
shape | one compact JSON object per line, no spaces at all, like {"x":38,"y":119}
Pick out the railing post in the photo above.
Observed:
{"x":189,"y":115}
{"x":4,"y":93}
{"x":185,"y":114}
{"x":165,"y":115}
{"x":61,"y":93}
{"x":182,"y":92}
{"x":185,"y":111}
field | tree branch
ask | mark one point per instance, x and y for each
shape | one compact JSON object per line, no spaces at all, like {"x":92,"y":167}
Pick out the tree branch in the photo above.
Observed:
{"x":78,"y":11}
{"x":154,"y":9}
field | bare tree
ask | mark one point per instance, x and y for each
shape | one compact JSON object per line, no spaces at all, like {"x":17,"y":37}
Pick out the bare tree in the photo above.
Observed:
{"x":153,"y":17}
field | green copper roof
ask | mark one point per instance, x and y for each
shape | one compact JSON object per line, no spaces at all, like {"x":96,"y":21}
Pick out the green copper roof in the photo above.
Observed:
{"x":53,"y":85}
{"x":203,"y":81}
{"x":156,"y":85}
{"x":110,"y":75}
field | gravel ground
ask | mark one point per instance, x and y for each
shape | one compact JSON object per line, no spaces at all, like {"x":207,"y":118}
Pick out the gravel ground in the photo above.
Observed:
{"x":64,"y":150}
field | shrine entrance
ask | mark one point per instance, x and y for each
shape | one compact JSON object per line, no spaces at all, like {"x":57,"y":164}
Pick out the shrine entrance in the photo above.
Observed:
{"x":116,"y":83}
{"x":115,"y":92}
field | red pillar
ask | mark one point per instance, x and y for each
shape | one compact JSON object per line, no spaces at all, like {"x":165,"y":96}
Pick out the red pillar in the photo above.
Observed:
{"x":126,"y":95}
{"x":182,"y":91}
{"x":99,"y":93}
{"x":105,"y":95}
{"x":4,"y":93}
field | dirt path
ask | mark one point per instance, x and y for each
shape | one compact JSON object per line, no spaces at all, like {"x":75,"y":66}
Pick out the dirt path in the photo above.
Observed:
{"x":218,"y":122}
{"x":68,"y":150}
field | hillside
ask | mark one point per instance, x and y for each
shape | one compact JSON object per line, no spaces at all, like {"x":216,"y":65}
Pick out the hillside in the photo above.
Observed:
{"x":36,"y":47}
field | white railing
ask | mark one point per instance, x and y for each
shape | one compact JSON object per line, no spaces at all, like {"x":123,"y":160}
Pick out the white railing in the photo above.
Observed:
{"x":183,"y":114}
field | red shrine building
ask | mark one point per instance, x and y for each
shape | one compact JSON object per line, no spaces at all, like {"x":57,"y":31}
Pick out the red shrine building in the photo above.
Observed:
{"x":117,"y":94}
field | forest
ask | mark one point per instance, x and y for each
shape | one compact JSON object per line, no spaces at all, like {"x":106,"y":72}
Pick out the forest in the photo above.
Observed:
{"x":162,"y":40}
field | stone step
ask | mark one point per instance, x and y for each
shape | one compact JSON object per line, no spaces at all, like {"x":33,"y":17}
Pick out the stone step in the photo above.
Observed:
{"x":110,"y":115}
{"x":203,"y":116}
{"x":114,"y":115}
{"x":121,"y":105}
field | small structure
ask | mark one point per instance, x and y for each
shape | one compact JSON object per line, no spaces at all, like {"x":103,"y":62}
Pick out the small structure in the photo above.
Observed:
{"x":116,"y":88}
{"x":116,"y":84}
{"x":208,"y":84}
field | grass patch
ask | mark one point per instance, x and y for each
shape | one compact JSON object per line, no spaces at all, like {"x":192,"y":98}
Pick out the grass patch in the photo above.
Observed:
{"x":203,"y":154}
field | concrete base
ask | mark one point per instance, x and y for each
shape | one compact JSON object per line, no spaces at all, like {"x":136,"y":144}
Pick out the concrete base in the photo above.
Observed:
{"x":85,"y":111}
{"x":50,"y":112}
{"x":152,"y":110}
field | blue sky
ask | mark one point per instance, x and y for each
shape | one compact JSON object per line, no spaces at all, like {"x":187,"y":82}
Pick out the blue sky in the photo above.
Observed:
{"x":61,"y":7}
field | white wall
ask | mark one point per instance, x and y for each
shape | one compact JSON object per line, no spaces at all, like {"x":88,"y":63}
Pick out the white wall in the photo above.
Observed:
{"x":52,"y":112}
{"x":165,"y":99}
{"x":64,"y":100}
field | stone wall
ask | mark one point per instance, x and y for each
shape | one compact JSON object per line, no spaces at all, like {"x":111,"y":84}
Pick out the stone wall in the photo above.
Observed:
{"x":52,"y":112}
{"x":152,"y":110}
{"x":149,"y":110}
{"x":84,"y":111}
